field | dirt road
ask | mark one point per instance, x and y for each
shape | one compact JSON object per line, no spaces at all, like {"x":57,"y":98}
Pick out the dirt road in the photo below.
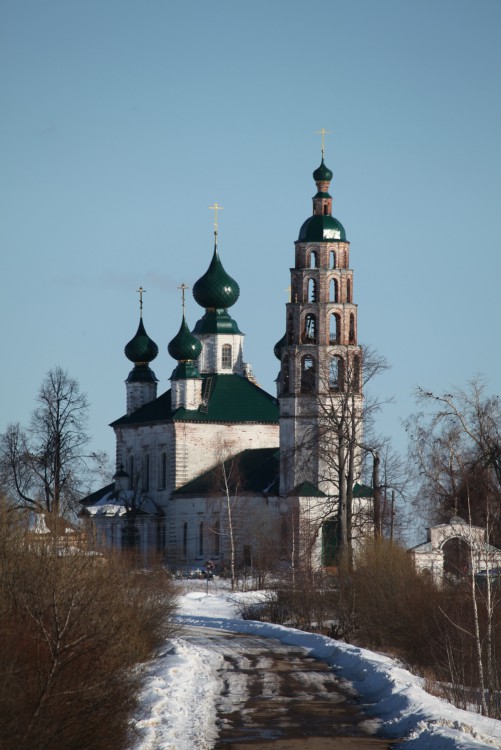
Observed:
{"x":277,"y":697}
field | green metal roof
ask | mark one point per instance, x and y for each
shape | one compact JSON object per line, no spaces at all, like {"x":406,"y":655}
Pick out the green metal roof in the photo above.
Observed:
{"x":185,"y":371}
{"x":362,"y":490}
{"x":216,"y":321}
{"x":227,"y":398}
{"x":307,"y":489}
{"x":321,"y":229}
{"x":277,"y":349}
{"x":141,"y":374}
{"x":251,"y":471}
{"x":94,"y":497}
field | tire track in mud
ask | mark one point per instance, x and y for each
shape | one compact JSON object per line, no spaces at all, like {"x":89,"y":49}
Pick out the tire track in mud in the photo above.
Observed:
{"x":277,"y":697}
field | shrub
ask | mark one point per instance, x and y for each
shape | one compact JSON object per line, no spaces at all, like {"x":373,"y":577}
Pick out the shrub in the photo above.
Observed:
{"x":72,"y":629}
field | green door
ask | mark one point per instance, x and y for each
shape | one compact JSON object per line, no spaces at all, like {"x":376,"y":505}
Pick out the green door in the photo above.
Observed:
{"x":330,"y":543}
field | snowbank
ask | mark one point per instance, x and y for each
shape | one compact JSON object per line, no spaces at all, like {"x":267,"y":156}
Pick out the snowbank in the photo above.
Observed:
{"x":182,"y":685}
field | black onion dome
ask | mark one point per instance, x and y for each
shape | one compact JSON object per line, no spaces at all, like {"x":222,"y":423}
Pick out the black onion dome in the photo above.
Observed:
{"x":322,"y":173}
{"x":184,"y":346}
{"x":141,"y":349}
{"x":216,"y":289}
{"x":277,"y":349}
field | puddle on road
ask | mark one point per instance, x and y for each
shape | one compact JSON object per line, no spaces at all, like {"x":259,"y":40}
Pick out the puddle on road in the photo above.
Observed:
{"x":278,"y":698}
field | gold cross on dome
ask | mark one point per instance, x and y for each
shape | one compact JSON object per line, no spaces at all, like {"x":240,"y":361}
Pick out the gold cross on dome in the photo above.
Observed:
{"x":183,"y":287}
{"x":216,"y":207}
{"x":323,"y":133}
{"x":141,"y":292}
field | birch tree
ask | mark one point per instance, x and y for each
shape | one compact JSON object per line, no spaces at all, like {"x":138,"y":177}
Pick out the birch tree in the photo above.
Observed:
{"x":456,"y":451}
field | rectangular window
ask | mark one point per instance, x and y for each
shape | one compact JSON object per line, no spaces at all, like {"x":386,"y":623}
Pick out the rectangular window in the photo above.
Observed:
{"x":247,"y":555}
{"x":226,"y":357}
{"x":146,"y":473}
{"x":162,"y":472}
{"x":217,"y":538}
{"x":201,"y":539}
{"x":131,"y":472}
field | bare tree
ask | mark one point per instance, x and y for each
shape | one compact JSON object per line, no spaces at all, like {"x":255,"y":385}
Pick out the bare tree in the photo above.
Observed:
{"x":390,"y":483}
{"x":229,"y":484}
{"x":44,"y":465}
{"x":455,"y":452}
{"x":456,"y":449}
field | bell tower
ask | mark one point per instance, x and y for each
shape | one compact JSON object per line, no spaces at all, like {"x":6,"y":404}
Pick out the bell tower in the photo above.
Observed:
{"x":319,"y":384}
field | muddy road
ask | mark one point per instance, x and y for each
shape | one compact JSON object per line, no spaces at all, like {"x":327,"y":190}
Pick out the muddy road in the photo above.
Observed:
{"x":277,"y":697}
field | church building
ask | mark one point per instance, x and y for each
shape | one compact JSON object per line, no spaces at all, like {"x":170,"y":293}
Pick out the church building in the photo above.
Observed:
{"x":215,"y":467}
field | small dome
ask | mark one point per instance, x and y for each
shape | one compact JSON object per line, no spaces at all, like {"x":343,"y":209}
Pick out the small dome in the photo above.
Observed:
{"x":184,"y":346}
{"x":322,"y":173}
{"x":216,"y":289}
{"x":321,"y":229}
{"x":141,"y":349}
{"x":277,"y":349}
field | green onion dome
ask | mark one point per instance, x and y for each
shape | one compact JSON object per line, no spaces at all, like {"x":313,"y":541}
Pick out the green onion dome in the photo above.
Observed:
{"x":141,"y":349}
{"x":277,"y":349}
{"x":322,"y":173}
{"x":321,"y":229}
{"x":184,"y":346}
{"x":216,"y":289}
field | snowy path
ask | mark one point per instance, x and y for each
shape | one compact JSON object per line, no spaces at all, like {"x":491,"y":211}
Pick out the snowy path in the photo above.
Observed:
{"x":182,"y":688}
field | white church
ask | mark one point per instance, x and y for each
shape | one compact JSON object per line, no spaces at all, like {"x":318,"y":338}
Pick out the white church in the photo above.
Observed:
{"x":215,"y":466}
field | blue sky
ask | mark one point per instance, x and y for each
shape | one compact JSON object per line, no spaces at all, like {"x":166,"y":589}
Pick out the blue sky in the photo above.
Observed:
{"x":122,"y":121}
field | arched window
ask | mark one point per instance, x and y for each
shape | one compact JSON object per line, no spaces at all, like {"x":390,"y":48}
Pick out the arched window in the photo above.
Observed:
{"x":333,"y":290}
{"x":312,"y":290}
{"x":313,"y":259}
{"x":310,"y":329}
{"x":307,"y":374}
{"x":146,"y":473}
{"x":131,"y":472}
{"x":201,"y":538}
{"x":185,"y":539}
{"x":332,"y":259}
{"x":217,"y":538}
{"x":285,"y":375}
{"x":336,"y":374}
{"x":348,"y":289}
{"x":162,"y":471}
{"x":226,"y":357}
{"x":356,"y":373}
{"x":290,"y":329}
{"x":352,"y":329}
{"x":334,"y":328}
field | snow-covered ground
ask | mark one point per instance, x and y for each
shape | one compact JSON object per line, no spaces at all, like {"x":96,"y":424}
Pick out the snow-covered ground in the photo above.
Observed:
{"x":179,"y":699}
